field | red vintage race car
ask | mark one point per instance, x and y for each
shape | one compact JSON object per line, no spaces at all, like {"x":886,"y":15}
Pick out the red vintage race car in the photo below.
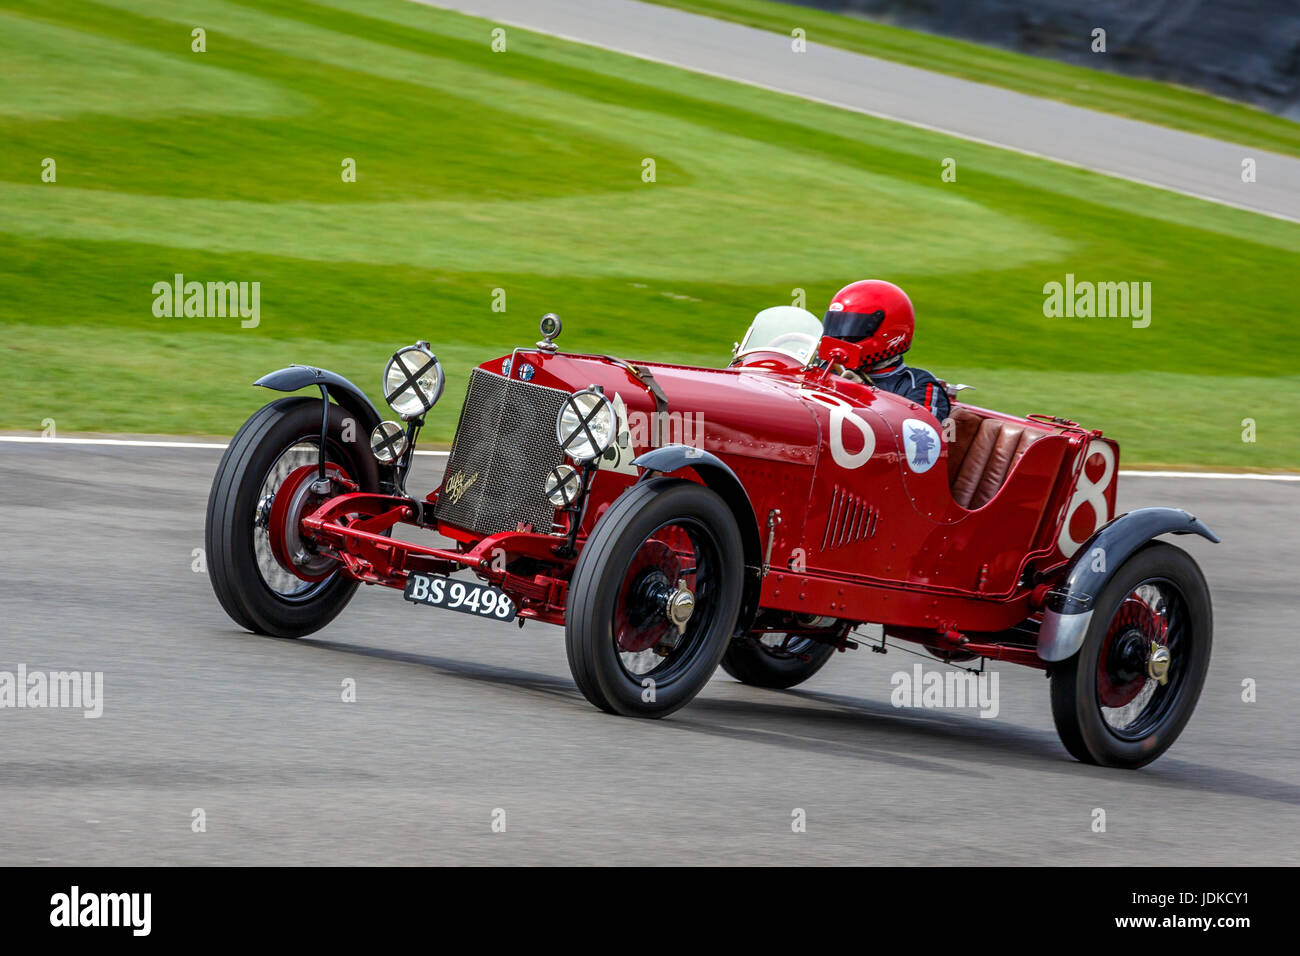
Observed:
{"x":673,"y":519}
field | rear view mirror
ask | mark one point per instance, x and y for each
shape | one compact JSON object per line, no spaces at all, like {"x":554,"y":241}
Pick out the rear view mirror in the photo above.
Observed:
{"x":839,"y":352}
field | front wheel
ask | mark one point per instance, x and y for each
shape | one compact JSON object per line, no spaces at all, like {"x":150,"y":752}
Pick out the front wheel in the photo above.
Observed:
{"x":268,"y":578}
{"x":1126,"y":695}
{"x":654,"y":598}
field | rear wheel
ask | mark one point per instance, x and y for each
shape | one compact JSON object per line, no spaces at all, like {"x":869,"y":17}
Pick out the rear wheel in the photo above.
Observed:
{"x":777,"y":661}
{"x":266,"y":575}
{"x":654,"y":598}
{"x":1124,"y":698}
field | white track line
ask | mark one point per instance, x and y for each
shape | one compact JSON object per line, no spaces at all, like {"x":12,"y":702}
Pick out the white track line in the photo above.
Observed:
{"x":135,"y":443}
{"x":138,"y":443}
{"x":1250,"y":475}
{"x":129,"y":443}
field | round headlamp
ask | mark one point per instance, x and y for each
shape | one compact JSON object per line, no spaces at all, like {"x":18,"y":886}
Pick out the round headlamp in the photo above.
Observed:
{"x":388,"y":442}
{"x":413,"y":381}
{"x":563,"y":485}
{"x":587,"y":425}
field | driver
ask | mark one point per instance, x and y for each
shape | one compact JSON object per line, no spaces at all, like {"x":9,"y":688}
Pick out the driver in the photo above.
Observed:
{"x":877,"y":316}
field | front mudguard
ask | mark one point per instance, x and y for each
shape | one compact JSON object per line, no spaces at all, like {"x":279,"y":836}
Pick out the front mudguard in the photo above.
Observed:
{"x":1069,"y":606}
{"x":344,"y":393}
{"x":348,"y":397}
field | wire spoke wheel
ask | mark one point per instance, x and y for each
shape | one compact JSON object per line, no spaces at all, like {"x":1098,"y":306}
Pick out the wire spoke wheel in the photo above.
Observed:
{"x":1127,"y":693}
{"x":779,"y":660}
{"x":1151,"y":617}
{"x":269,"y":578}
{"x":654,"y":598}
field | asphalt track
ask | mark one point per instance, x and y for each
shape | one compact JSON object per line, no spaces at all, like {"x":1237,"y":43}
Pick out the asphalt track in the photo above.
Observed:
{"x":1183,"y":162}
{"x":455,"y":718}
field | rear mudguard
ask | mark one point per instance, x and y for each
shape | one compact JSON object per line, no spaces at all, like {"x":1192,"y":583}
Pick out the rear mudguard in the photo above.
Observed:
{"x":1068,"y":610}
{"x":347,"y":395}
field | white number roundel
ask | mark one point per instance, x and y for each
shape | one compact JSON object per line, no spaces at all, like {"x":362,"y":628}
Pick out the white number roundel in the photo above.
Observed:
{"x":842,"y":414}
{"x":1089,"y":492}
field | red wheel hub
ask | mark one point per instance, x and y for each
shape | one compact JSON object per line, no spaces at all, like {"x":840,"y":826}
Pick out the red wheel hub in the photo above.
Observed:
{"x":1121,"y":666}
{"x":294,"y":500}
{"x":638,"y":622}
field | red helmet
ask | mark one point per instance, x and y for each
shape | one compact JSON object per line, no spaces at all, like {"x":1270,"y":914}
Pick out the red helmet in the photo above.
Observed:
{"x":875,"y":314}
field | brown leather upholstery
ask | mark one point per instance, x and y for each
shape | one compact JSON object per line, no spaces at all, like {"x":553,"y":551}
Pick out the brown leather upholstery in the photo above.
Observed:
{"x":982,"y":454}
{"x":965,"y":425}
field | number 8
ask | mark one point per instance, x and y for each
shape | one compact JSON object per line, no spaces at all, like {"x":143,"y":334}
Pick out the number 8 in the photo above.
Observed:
{"x":1089,"y":492}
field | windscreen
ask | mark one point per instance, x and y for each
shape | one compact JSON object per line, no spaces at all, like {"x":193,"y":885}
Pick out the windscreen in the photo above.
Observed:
{"x":783,"y":328}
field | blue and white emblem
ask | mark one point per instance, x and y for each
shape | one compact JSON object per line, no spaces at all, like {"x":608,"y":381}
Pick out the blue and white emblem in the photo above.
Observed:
{"x":920,"y":444}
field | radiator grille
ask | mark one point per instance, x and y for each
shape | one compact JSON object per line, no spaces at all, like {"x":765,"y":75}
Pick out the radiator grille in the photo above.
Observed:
{"x":504,"y":446}
{"x":851,"y":519}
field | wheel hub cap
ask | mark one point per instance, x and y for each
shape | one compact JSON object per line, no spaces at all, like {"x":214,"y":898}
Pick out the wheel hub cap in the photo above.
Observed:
{"x":1158,"y":662}
{"x":679,"y":605}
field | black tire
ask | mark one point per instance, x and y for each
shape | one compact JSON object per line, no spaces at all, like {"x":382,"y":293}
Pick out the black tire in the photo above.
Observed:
{"x":232,"y":504}
{"x":599,"y":666}
{"x":1094,"y":733}
{"x":757,"y":664}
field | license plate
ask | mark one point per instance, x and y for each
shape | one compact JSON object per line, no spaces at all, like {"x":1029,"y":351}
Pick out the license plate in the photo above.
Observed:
{"x":481,"y":600}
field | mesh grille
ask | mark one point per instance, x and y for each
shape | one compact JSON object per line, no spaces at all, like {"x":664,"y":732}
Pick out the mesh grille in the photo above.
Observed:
{"x":504,"y":446}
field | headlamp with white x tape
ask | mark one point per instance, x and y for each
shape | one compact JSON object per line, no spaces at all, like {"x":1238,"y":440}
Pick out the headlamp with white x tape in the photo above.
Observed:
{"x":563,"y":486}
{"x":413,"y":380}
{"x":587,"y":424}
{"x":388,"y":442}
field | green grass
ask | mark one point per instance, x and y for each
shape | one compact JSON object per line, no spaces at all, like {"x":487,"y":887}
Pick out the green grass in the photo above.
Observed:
{"x":522,"y":171}
{"x":1097,"y":89}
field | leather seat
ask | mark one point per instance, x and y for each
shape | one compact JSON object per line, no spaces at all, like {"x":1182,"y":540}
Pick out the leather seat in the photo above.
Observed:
{"x":982,"y":453}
